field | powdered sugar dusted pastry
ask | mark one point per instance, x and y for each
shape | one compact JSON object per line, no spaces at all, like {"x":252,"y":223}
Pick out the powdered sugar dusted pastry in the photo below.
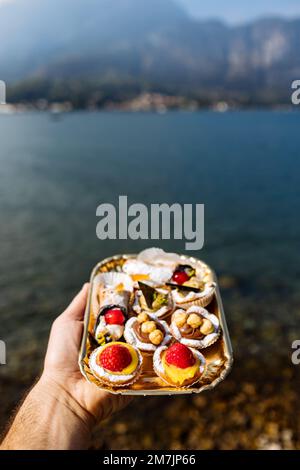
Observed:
{"x":178,"y":365}
{"x":110,"y":289}
{"x":194,"y":292}
{"x":158,"y":257}
{"x":140,"y":271}
{"x":156,"y":301}
{"x":116,"y":364}
{"x":183,"y":274}
{"x":110,"y":324}
{"x":146,"y":332}
{"x":195,"y":327}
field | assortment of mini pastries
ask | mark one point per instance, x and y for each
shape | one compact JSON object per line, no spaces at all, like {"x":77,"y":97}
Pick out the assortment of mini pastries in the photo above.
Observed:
{"x":155,"y":307}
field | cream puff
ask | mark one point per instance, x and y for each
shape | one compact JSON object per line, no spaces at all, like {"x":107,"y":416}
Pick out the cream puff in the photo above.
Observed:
{"x":141,"y":271}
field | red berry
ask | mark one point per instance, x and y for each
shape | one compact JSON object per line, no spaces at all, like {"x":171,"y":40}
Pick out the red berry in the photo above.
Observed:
{"x":180,"y":356}
{"x":114,"y":316}
{"x":180,"y":277}
{"x":115,"y":358}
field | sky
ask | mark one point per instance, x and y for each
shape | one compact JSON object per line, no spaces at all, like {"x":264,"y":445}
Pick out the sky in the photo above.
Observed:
{"x":235,"y":11}
{"x":238,"y":11}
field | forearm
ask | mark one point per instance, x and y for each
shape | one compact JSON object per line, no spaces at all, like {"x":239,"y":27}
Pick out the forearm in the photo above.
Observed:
{"x":49,"y":418}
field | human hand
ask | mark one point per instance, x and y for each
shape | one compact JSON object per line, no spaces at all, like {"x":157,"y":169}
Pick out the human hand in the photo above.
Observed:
{"x":62,"y":408}
{"x":61,"y":365}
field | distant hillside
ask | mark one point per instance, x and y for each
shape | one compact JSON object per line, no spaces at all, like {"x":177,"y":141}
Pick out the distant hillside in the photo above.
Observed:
{"x":136,"y":45}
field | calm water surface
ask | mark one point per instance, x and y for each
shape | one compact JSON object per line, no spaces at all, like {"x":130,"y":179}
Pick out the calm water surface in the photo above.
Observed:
{"x":244,"y":166}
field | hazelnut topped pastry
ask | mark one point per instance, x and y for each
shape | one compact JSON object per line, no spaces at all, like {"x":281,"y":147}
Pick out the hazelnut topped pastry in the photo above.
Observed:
{"x":146,"y":332}
{"x":116,"y":364}
{"x":195,"y":327}
{"x":178,"y":365}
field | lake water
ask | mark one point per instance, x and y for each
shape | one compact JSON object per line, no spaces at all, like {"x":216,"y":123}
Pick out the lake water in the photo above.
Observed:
{"x":244,"y":166}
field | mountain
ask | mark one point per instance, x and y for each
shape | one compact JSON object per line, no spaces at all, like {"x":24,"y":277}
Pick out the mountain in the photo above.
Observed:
{"x":146,"y":44}
{"x":34,"y":32}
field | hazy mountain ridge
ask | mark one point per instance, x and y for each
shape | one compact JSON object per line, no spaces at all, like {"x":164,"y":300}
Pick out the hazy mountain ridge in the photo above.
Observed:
{"x":146,"y":42}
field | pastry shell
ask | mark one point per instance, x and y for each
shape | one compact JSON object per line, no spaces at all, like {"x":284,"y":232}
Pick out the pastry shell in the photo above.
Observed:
{"x":114,"y":380}
{"x":131,"y":337}
{"x":159,"y":369}
{"x":208,"y":340}
{"x":201,"y":299}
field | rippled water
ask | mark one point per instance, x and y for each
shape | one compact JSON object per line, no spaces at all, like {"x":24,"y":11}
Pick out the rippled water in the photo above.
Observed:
{"x":244,"y":166}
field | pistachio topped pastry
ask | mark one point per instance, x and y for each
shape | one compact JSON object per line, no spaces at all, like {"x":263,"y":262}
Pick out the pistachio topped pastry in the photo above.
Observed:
{"x":157,"y":301}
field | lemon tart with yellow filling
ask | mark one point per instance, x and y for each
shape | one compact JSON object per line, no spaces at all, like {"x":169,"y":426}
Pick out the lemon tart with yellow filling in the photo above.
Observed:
{"x":178,"y":365}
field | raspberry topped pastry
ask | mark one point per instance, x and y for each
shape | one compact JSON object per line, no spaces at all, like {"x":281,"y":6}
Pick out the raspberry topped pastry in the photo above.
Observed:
{"x":146,"y":332}
{"x":183,"y":273}
{"x":110,"y":289}
{"x":178,"y":365}
{"x":195,"y":327}
{"x":193,"y":292}
{"x":191,"y":288}
{"x":116,"y":364}
{"x":110,"y":324}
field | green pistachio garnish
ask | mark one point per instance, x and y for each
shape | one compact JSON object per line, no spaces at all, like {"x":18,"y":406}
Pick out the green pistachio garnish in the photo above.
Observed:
{"x":160,"y":301}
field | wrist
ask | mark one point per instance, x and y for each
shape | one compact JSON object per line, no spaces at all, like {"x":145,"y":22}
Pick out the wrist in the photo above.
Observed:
{"x":67,"y":424}
{"x":49,"y":419}
{"x":62,"y":396}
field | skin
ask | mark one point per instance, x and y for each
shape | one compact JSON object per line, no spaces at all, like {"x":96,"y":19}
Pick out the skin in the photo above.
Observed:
{"x":62,"y":408}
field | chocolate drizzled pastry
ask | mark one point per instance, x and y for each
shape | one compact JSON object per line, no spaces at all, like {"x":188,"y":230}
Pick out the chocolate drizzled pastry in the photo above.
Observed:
{"x":191,"y":333}
{"x":144,"y":337}
{"x":154,"y":299}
